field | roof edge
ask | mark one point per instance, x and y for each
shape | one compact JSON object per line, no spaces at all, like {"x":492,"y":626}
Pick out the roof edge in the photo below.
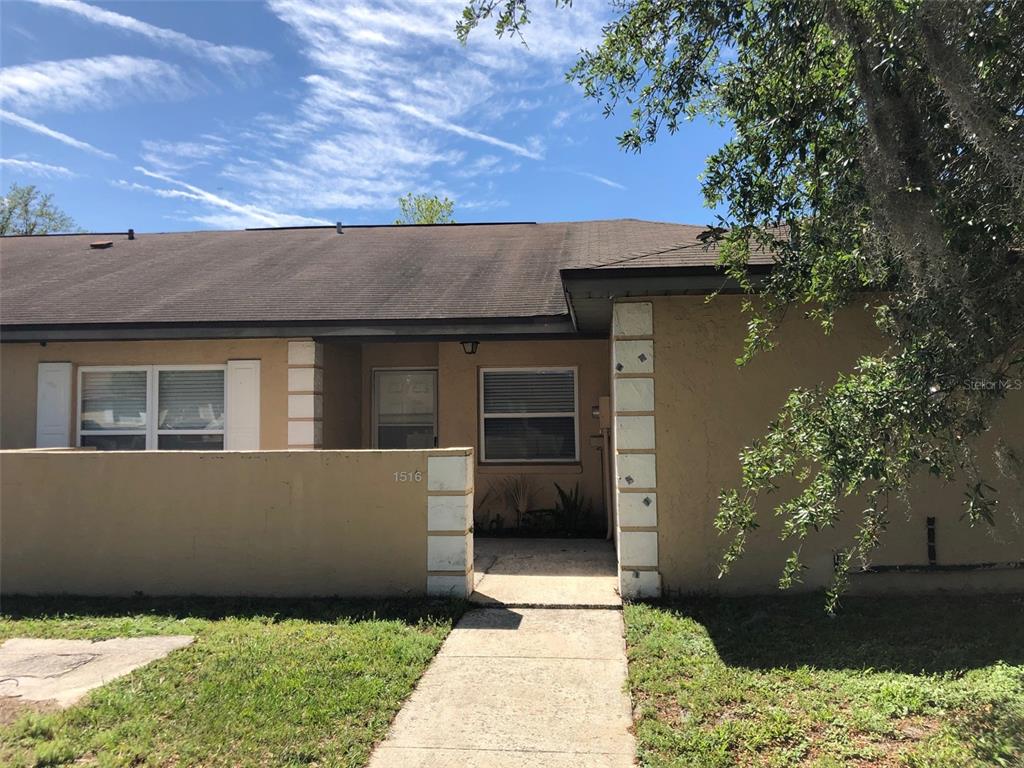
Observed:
{"x":591,"y":291}
{"x":543,"y":326}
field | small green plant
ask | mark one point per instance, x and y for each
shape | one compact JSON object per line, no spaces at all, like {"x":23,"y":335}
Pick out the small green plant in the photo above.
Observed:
{"x":517,"y":492}
{"x":572,"y":509}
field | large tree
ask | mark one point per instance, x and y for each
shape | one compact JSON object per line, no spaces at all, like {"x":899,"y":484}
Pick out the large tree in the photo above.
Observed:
{"x":24,"y":210}
{"x":878,"y":147}
{"x":425,"y":209}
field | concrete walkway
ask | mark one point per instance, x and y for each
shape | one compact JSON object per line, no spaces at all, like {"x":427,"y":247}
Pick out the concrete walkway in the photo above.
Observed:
{"x":524,"y":687}
{"x":545,"y":572}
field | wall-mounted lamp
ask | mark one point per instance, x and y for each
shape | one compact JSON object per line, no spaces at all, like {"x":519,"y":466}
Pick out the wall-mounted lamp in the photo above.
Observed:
{"x":469,"y":347}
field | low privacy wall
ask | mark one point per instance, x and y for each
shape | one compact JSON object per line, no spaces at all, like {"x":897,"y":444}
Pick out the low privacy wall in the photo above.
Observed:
{"x":275,"y":523}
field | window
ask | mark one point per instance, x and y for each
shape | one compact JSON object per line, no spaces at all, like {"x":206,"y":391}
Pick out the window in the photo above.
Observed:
{"x":139,"y":408}
{"x":528,"y":415}
{"x":405,"y":409}
{"x":114,"y":405}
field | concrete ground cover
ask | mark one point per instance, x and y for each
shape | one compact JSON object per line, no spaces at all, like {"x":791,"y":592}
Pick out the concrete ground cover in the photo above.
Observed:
{"x":575,"y":573}
{"x":522,"y":687}
{"x":63,"y":671}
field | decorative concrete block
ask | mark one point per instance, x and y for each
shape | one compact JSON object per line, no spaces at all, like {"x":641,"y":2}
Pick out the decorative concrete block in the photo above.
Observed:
{"x":305,"y":406}
{"x":636,"y":470}
{"x":639,"y":585}
{"x":638,"y":510}
{"x":450,"y":513}
{"x":449,"y":553}
{"x":305,"y":353}
{"x":634,"y":395}
{"x":634,"y":356}
{"x":305,"y":380}
{"x":638,"y":548}
{"x":447,"y":585}
{"x":305,"y":433}
{"x":448,"y":473}
{"x":632,"y":318}
{"x":634,"y":432}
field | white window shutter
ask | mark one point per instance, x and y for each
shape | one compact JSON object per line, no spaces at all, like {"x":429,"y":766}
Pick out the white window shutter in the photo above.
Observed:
{"x":53,"y":406}
{"x":242,"y":419}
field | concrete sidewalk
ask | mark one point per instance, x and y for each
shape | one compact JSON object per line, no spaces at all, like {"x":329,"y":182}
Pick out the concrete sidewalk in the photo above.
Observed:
{"x":545,"y":572}
{"x":521,"y":687}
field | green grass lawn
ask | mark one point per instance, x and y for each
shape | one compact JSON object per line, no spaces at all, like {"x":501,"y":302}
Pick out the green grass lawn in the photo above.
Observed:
{"x":925,"y":681}
{"x":267,"y":682}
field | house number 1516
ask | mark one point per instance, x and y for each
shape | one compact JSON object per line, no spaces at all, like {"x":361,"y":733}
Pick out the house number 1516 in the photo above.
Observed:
{"x":408,"y":477}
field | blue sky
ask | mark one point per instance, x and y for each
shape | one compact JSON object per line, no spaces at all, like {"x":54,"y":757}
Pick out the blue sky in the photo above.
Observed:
{"x":196,"y":115}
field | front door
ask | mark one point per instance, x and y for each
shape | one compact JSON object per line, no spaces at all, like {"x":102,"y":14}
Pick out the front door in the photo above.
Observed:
{"x":405,"y":408}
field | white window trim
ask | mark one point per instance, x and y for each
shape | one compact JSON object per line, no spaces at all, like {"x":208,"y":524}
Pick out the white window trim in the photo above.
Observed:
{"x":151,"y":431}
{"x":556,"y":414}
{"x":374,"y":416}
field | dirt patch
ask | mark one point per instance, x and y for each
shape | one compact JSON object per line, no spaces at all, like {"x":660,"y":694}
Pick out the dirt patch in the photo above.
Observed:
{"x":11,"y":708}
{"x":917,"y":728}
{"x":879,"y":750}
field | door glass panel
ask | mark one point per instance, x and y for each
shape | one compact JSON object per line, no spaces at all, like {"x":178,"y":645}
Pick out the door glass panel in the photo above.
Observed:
{"x":405,"y":403}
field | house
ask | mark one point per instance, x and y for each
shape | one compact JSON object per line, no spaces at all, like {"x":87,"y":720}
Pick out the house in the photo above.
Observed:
{"x":578,"y":352}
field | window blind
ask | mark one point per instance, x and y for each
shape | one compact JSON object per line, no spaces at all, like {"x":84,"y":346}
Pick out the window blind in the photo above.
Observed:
{"x":529,"y":392}
{"x":191,"y":400}
{"x":114,"y":400}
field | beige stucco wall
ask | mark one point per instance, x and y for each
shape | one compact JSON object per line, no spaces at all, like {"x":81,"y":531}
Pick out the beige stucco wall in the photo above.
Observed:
{"x":18,"y":371}
{"x":459,"y":408}
{"x":343,"y":403}
{"x":218,"y":523}
{"x":347,"y":395}
{"x":458,"y":404}
{"x":401,"y":354}
{"x":707,"y":410}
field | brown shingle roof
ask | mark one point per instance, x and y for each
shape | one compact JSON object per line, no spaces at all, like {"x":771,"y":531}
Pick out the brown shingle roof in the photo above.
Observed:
{"x":365,"y":274}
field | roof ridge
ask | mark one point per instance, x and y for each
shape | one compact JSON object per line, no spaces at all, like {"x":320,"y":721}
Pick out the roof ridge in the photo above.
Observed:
{"x":302,"y":227}
{"x":645,"y":254}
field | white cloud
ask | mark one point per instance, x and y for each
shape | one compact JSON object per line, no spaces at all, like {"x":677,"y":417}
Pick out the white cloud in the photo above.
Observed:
{"x":404,"y":56}
{"x":172,"y":156}
{"x":599,"y":179}
{"x":22,"y":31}
{"x":224,"y":55}
{"x":446,"y":125}
{"x":99,"y":82}
{"x":482,"y":205}
{"x":354,"y":169}
{"x":486,"y":165}
{"x":35,"y":168}
{"x":560,"y":118}
{"x":391,"y":103}
{"x":31,"y":125}
{"x":227,"y":214}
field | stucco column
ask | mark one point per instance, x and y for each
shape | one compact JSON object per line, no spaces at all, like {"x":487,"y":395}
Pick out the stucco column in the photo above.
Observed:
{"x":450,"y":525}
{"x":305,"y":395}
{"x":636,"y":480}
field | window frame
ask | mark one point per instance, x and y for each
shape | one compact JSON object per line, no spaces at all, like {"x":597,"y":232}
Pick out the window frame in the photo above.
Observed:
{"x":483,"y":415}
{"x":151,"y":431}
